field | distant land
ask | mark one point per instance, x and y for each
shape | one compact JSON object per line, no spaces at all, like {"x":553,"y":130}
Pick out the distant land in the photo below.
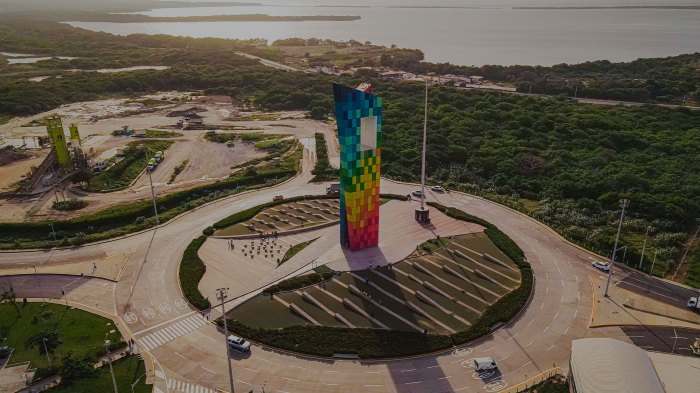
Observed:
{"x":136,"y":18}
{"x":622,"y":7}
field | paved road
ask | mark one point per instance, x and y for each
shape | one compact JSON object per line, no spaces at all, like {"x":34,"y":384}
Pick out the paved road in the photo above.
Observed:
{"x":189,"y":351}
{"x":663,"y":339}
{"x":667,"y":293}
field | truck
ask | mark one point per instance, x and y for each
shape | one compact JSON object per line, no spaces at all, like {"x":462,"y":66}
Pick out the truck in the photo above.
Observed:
{"x":333,"y":189}
{"x":693,"y":304}
{"x":152,"y":164}
{"x":159,"y":156}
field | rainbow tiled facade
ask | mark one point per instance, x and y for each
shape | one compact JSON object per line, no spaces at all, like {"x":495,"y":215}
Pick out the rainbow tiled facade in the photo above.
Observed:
{"x":359,"y":117}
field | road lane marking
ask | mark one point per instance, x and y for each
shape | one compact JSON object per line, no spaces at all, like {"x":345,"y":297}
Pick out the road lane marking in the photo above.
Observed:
{"x":550,"y":347}
{"x":528,"y":344}
{"x":170,"y":333}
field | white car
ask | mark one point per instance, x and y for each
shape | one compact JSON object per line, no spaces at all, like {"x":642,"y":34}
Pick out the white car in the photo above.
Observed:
{"x":417,"y":193}
{"x":604,"y":266}
{"x":238,"y":343}
{"x":484,"y":364}
{"x":438,"y":188}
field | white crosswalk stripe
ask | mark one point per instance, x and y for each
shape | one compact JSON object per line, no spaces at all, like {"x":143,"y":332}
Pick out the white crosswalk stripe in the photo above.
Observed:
{"x":170,"y":333}
{"x":188,"y":387}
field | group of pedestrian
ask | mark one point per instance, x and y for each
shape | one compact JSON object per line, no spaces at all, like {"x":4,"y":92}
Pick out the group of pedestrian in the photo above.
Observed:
{"x":231,"y":245}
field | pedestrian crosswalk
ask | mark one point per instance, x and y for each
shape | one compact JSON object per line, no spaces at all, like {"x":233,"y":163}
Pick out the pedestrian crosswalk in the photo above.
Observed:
{"x":188,"y":387}
{"x":170,"y":333}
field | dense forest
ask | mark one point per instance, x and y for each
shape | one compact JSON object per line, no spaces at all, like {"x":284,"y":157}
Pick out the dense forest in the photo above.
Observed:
{"x":566,"y":163}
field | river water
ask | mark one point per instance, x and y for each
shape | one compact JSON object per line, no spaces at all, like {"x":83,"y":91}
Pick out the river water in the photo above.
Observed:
{"x":477,"y":32}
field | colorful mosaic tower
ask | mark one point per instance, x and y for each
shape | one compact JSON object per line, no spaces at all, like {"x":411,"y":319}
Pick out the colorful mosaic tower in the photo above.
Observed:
{"x":359,"y":117}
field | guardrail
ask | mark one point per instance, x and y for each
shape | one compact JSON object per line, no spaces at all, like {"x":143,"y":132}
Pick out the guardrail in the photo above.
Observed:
{"x":523,"y":386}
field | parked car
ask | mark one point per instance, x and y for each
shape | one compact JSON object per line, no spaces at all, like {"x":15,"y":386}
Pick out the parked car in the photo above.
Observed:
{"x":484,"y":364}
{"x":438,"y":188}
{"x":604,"y":266}
{"x":417,"y":193}
{"x":238,"y":343}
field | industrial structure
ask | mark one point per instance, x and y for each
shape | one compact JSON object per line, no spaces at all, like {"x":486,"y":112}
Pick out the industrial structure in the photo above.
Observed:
{"x":359,"y":118}
{"x":65,"y":155}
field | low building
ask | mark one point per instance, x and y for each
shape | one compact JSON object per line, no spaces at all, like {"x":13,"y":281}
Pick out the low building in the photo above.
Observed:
{"x":604,"y":365}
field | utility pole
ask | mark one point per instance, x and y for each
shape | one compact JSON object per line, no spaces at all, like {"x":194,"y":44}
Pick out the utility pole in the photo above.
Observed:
{"x":425,"y":137}
{"x":692,"y":241}
{"x":109,"y":359}
{"x":423,"y":214}
{"x":221,"y":295}
{"x":651,"y":272}
{"x":623,"y":204}
{"x":153,"y":196}
{"x":646,"y":235}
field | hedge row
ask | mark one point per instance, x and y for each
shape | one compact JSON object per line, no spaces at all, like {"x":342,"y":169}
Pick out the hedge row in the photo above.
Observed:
{"x":302,"y":281}
{"x":123,"y":219}
{"x":376,"y":343}
{"x":325,"y":341}
{"x":192,"y":270}
{"x":323,"y":170}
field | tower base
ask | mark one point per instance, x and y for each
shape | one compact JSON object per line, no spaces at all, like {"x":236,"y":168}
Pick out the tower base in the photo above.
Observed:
{"x":423,"y":215}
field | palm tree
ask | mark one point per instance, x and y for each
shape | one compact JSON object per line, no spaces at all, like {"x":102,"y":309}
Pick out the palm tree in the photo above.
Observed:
{"x":8,"y":295}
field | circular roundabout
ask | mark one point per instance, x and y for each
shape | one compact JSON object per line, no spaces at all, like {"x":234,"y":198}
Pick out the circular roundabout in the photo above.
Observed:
{"x":423,"y":288}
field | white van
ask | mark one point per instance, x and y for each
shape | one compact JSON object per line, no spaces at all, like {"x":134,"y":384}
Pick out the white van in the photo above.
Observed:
{"x":483,"y":364}
{"x":238,"y":343}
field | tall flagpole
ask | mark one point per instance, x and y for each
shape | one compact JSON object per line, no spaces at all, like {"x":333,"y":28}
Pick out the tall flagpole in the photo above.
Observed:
{"x":425,"y":137}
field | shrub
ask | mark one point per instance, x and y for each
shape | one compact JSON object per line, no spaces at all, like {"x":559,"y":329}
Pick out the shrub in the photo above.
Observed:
{"x":192,"y":270}
{"x":70,"y":204}
{"x":325,"y":341}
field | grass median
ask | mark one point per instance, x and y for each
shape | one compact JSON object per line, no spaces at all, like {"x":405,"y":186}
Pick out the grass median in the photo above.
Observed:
{"x":121,"y":174}
{"x":192,"y":269}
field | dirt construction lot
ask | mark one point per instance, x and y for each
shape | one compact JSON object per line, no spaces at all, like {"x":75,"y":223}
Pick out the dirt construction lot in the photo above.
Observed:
{"x":207,"y":161}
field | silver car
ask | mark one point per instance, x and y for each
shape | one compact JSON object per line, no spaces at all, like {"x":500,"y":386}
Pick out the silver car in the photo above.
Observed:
{"x":604,"y":266}
{"x":238,"y":343}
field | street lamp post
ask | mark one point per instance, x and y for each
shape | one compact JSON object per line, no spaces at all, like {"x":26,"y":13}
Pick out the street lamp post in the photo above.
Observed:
{"x":692,"y":241}
{"x":623,"y":204}
{"x":48,"y":359}
{"x":422,"y":214}
{"x":109,"y":359}
{"x":646,"y":235}
{"x":651,"y":272}
{"x":153,"y":196}
{"x":221,"y":295}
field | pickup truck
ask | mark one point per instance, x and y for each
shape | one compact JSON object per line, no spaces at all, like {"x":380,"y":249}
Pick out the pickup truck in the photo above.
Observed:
{"x":693,"y":304}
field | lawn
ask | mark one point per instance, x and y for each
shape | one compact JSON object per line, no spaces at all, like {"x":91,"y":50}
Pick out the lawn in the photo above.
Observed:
{"x":80,"y":332}
{"x":126,"y":371}
{"x":5,"y":118}
{"x":161,"y":134}
{"x":119,"y":176}
{"x":294,"y":250}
